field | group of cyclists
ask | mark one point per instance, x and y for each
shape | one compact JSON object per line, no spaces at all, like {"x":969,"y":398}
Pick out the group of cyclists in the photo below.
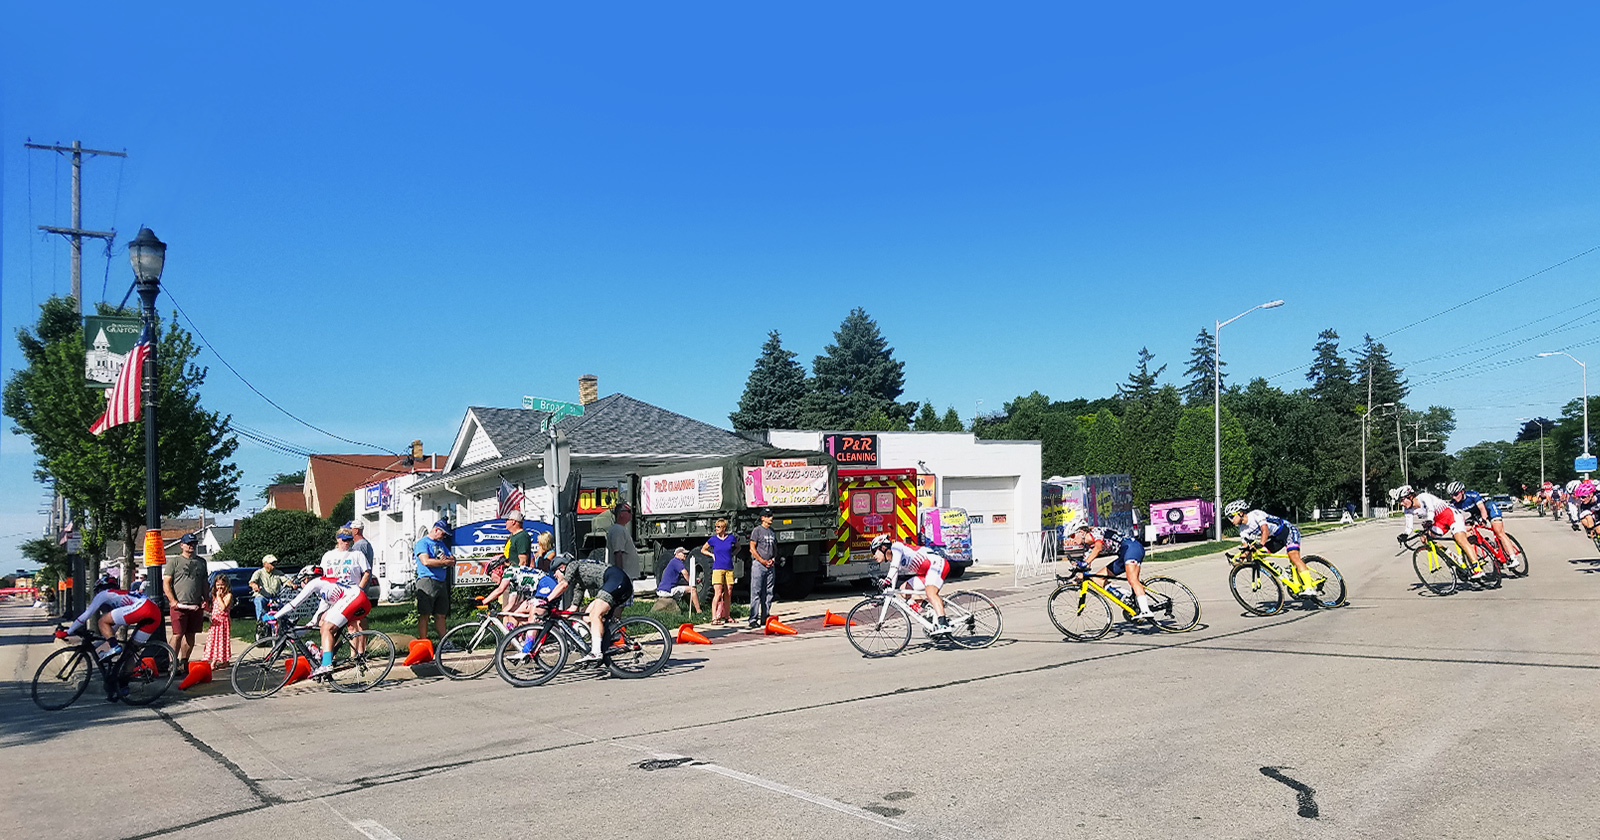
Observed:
{"x":1578,"y":499}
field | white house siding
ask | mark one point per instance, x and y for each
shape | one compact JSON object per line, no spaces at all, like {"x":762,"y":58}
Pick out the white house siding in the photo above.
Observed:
{"x":479,"y":448}
{"x":985,"y":477}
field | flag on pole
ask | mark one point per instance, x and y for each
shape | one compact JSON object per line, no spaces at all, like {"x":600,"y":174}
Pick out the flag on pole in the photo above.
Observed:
{"x":122,"y":402}
{"x":510,"y":498}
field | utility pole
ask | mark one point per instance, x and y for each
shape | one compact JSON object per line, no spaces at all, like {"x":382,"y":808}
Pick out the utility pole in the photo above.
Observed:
{"x":1400,"y":444}
{"x":76,"y":233}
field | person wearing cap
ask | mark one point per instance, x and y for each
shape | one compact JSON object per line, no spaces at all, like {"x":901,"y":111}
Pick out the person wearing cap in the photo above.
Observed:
{"x":620,"y":550}
{"x":187,"y":590}
{"x":348,"y":566}
{"x":763,"y":569}
{"x":433,"y":579}
{"x":360,"y":543}
{"x":266,"y":583}
{"x":674,"y":580}
{"x":519,"y":544}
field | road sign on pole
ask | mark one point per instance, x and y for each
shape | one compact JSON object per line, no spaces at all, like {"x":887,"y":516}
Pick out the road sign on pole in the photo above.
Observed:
{"x":557,"y":409}
{"x":1585,"y":464}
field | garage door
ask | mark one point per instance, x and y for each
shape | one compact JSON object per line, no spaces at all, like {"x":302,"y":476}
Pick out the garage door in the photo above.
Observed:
{"x":989,"y":498}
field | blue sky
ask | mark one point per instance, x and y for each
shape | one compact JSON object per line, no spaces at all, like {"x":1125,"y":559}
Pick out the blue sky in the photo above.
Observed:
{"x":384,"y":213}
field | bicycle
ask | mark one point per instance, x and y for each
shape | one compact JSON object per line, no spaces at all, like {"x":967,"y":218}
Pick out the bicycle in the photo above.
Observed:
{"x":1259,"y":584}
{"x":137,"y":676}
{"x":1491,"y":552}
{"x":635,"y":646}
{"x":1439,"y":568}
{"x":974,"y":621}
{"x":360,"y":660}
{"x":467,"y":650}
{"x":1089,"y":616}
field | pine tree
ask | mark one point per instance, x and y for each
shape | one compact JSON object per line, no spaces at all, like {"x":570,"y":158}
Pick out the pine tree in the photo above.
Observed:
{"x":1388,"y":381}
{"x":774,"y":390}
{"x":1201,"y":370}
{"x":1329,"y":375}
{"x":854,"y":377}
{"x":1141,"y":383}
{"x":1148,"y":428}
{"x":927,"y":419}
{"x":952,"y":421}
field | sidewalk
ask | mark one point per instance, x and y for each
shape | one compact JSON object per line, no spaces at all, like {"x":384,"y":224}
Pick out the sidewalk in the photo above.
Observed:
{"x":25,"y":640}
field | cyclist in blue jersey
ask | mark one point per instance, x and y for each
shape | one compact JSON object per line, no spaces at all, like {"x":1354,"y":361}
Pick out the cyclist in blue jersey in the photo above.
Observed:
{"x":1259,"y":529}
{"x":1477,"y":507}
{"x":1127,"y":556}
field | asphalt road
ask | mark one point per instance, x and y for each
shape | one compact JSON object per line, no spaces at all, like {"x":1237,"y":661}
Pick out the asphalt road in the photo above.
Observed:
{"x":1399,"y":715}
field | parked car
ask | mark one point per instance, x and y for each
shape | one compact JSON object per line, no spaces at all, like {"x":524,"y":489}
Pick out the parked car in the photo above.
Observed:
{"x":1503,"y":501}
{"x":239,"y":582}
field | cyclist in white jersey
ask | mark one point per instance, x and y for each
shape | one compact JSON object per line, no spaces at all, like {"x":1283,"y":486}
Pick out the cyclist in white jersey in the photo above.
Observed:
{"x":339,"y":604}
{"x":1440,"y":516}
{"x":1259,"y":529}
{"x":123,"y":609}
{"x":927,"y":572}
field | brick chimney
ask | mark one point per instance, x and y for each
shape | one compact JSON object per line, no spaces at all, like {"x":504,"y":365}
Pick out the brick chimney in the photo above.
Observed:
{"x":588,"y":388}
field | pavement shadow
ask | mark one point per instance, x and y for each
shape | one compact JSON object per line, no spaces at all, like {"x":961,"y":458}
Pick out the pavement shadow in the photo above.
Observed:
{"x":27,"y":724}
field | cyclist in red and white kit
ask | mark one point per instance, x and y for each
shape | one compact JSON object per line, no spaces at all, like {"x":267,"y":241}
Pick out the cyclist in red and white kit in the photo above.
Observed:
{"x":123,"y":609}
{"x":341,"y":604}
{"x":926,"y":571}
{"x":1442,"y":517}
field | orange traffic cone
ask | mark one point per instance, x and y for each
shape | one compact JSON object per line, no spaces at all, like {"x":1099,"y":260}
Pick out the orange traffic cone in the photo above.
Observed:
{"x":199,"y":672}
{"x":298,"y":668}
{"x":778,"y":628}
{"x":830,"y":619}
{"x":688,"y":635}
{"x":421,"y":651}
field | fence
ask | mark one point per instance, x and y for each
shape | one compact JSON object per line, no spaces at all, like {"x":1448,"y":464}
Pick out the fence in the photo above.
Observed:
{"x":1036,"y":555}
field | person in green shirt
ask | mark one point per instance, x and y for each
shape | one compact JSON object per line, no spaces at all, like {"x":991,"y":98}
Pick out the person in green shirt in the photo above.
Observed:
{"x":519,"y":546}
{"x":266,"y":583}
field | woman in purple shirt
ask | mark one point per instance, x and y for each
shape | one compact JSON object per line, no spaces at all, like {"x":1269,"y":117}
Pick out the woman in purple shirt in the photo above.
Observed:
{"x":719,"y":547}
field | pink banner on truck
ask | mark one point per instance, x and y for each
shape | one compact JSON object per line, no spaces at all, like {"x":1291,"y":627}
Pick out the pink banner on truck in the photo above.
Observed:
{"x":786,"y":486}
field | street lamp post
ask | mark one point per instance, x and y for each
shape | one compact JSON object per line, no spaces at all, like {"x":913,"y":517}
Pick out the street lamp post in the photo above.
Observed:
{"x":1585,"y":367}
{"x":148,"y":256}
{"x":1216,"y":409}
{"x":1366,"y":507}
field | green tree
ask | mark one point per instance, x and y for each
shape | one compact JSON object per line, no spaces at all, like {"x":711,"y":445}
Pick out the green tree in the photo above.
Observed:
{"x":284,"y":478}
{"x":854,"y":376}
{"x":1480,"y":465}
{"x":51,"y":558}
{"x":952,"y":420}
{"x":1199,"y":375}
{"x":1192,"y":448}
{"x":104,"y":474}
{"x":1329,"y":374}
{"x":295,"y":537}
{"x":1148,"y":427}
{"x":344,"y":510}
{"x":928,"y":420}
{"x":877,"y":421}
{"x":1141,"y":384}
{"x":1102,"y":446}
{"x":1388,"y":380}
{"x":774,"y":390}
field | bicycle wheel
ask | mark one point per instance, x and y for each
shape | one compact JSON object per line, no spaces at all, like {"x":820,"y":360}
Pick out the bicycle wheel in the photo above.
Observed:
{"x":262,"y":668}
{"x":147,"y":675}
{"x":876,"y":628}
{"x":1256,"y":589}
{"x":1333,"y":590}
{"x":1081,"y":614}
{"x":642,"y":647}
{"x":975,"y":618}
{"x":1518,"y":565}
{"x":1486,"y":561}
{"x":1176,"y":608}
{"x":530,"y":655}
{"x":62,"y":678}
{"x":1436,"y":570}
{"x":361,"y":661}
{"x":466,"y":651}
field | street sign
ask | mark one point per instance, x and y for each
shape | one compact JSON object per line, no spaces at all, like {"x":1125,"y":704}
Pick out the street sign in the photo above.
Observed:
{"x":1585,"y":464}
{"x":74,"y":542}
{"x":557,"y":409}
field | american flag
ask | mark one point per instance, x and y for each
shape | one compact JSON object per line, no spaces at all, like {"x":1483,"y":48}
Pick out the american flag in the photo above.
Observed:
{"x":510,"y":498}
{"x":122,"y":402}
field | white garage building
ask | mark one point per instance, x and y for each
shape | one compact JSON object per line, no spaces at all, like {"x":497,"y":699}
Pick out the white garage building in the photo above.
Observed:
{"x":997,"y":481}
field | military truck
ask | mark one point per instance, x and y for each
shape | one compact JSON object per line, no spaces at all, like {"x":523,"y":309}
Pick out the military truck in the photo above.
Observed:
{"x":679,"y":505}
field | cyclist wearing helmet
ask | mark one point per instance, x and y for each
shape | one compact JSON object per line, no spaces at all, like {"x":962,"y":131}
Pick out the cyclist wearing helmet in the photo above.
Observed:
{"x":926,"y":572}
{"x":340,"y":603}
{"x":1261,"y":530}
{"x":1477,"y":508}
{"x":123,"y":609}
{"x":1588,"y":502}
{"x":1438,"y":516}
{"x":1127,"y":556}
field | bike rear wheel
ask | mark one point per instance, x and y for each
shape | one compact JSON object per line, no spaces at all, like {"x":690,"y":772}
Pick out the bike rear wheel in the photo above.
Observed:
{"x":1256,"y":589}
{"x":1518,"y":559}
{"x":530,"y":655}
{"x":1436,"y":570}
{"x":1333,"y":590}
{"x":975,"y":618}
{"x":877,"y":629}
{"x":62,"y":678}
{"x":262,"y":668}
{"x":1176,"y":608}
{"x":1081,"y":614}
{"x":147,"y":677}
{"x":361,"y":661}
{"x":641,"y":647}
{"x":466,"y":651}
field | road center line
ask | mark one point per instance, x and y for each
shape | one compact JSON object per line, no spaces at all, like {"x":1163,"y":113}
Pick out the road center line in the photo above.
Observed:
{"x":803,"y":795}
{"x":373,"y":830}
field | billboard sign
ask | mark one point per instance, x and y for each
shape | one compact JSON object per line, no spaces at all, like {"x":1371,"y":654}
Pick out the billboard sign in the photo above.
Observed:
{"x":852,"y":450}
{"x":797,"y":486}
{"x":683,"y":492}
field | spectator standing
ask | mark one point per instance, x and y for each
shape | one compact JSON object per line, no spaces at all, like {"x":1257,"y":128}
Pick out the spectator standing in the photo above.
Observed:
{"x":348,"y":566}
{"x":763,"y":569}
{"x":674,"y":580}
{"x":266,"y":583}
{"x":359,"y":543}
{"x":519,"y":545}
{"x":187,"y":590}
{"x":545,"y":551}
{"x":433,"y":579}
{"x":219,"y":642}
{"x":719,"y":547}
{"x":620,"y":550}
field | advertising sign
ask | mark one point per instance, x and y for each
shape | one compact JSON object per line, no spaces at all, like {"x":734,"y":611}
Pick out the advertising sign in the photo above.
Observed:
{"x":949,"y":527}
{"x":927,"y":486}
{"x":107,"y":341}
{"x":852,"y":450}
{"x":477,"y":545}
{"x":785,"y":486}
{"x":378,"y":496}
{"x":596,"y":499}
{"x":683,"y":492}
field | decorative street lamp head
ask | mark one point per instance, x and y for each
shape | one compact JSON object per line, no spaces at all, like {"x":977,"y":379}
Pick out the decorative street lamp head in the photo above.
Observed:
{"x":148,"y":255}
